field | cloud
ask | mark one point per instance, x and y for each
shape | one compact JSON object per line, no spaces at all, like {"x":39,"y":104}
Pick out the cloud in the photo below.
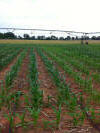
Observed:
{"x":79,"y":15}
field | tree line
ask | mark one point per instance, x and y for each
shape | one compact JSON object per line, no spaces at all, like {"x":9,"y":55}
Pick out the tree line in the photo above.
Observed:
{"x":11,"y":35}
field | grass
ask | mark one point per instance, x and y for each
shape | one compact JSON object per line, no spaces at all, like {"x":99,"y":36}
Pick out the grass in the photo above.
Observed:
{"x":2,"y":41}
{"x":37,"y":42}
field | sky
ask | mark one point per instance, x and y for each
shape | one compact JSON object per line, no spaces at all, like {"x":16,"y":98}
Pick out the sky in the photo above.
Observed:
{"x":77,"y":15}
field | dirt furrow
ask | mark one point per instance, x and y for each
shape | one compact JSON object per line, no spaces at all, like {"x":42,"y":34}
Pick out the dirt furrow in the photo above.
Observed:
{"x":46,"y":84}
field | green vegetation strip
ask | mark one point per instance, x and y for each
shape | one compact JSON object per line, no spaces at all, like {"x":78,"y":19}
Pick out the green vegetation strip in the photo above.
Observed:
{"x":7,"y":55}
{"x":10,"y":76}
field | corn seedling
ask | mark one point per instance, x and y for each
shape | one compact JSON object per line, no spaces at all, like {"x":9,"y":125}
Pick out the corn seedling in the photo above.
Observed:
{"x":11,"y":122}
{"x":35,"y":115}
{"x":22,"y":118}
{"x":58,"y":115}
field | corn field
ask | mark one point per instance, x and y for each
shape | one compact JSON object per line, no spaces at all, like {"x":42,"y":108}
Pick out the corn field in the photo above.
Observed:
{"x":49,"y":88}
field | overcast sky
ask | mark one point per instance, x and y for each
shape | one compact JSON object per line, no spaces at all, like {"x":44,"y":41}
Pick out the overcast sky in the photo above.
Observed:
{"x":78,"y":15}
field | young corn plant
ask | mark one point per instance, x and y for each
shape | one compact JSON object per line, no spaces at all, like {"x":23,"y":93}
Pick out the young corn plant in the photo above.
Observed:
{"x":49,"y":98}
{"x":2,"y":95}
{"x":16,"y":99}
{"x":58,"y":115}
{"x":35,"y":115}
{"x":22,"y":118}
{"x":9,"y":100}
{"x":48,"y":124}
{"x":27,"y":102}
{"x":10,"y":118}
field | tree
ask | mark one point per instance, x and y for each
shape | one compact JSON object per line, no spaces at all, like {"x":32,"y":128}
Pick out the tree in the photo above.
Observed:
{"x":98,"y":38}
{"x":26,"y":36}
{"x":87,"y":38}
{"x":61,"y":38}
{"x":68,"y":38}
{"x":73,"y":38}
{"x":93,"y":38}
{"x":54,"y":38}
{"x":41,"y":37}
{"x":1,"y":36}
{"x":9,"y":35}
{"x":33,"y":38}
{"x":77,"y":38}
{"x":19,"y":37}
{"x":48,"y":38}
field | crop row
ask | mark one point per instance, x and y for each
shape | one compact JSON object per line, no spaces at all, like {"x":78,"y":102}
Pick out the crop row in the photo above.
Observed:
{"x":85,"y":84}
{"x":73,"y":104}
{"x":8,"y":56}
{"x":10,"y":76}
{"x":65,"y":94}
{"x":81,"y":54}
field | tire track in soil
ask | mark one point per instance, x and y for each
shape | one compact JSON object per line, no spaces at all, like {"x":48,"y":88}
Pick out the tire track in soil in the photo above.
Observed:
{"x":86,"y":128}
